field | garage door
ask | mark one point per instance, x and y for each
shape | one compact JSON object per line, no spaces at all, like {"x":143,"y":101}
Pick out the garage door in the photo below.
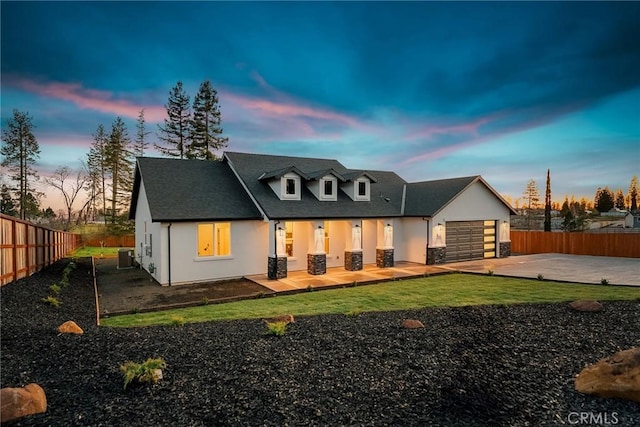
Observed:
{"x":468,"y":240}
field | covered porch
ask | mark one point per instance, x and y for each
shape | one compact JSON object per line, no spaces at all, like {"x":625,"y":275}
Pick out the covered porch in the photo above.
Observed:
{"x":297,"y":281}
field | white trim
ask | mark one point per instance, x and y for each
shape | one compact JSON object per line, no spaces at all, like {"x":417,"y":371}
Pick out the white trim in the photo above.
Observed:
{"x":334,"y":186}
{"x":296,"y":186}
{"x":246,"y":189}
{"x":356,"y":189}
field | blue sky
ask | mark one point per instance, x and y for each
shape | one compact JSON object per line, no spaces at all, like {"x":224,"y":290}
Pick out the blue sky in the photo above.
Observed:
{"x":427,"y":89}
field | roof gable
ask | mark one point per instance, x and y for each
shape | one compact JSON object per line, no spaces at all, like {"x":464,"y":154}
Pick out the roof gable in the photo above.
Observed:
{"x":427,"y":198}
{"x":191,"y":190}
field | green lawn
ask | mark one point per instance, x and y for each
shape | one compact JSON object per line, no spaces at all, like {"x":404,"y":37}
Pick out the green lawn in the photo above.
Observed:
{"x":437,"y":291}
{"x":88,"y":251}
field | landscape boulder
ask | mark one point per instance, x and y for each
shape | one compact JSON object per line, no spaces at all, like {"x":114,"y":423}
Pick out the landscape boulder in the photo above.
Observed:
{"x":20,"y":402}
{"x":70,"y":327}
{"x":286,"y":318}
{"x":586,"y":305}
{"x":615,"y":376}
{"x":412,"y":324}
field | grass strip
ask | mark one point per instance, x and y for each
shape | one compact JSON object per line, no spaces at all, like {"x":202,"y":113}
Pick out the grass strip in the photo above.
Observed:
{"x":439,"y":291}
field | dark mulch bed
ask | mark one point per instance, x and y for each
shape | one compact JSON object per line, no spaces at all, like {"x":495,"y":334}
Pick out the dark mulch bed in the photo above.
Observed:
{"x":489,"y":365}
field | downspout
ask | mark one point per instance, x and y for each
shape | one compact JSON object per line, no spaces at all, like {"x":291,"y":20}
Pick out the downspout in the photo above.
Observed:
{"x":426,"y":255}
{"x":275,"y":245}
{"x":169,"y":250}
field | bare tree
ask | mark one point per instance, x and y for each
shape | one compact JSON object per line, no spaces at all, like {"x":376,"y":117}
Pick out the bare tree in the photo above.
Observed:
{"x":67,"y":187}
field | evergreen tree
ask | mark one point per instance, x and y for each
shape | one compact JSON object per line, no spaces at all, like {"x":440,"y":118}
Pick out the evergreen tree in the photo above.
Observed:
{"x":633,"y":194}
{"x":206,"y":130}
{"x":20,"y":151}
{"x":547,"y":203}
{"x":119,"y":166}
{"x":604,"y":201}
{"x":141,"y":143}
{"x":531,"y":197}
{"x":97,"y":166}
{"x":7,"y":206}
{"x":619,"y":203}
{"x":175,"y":132}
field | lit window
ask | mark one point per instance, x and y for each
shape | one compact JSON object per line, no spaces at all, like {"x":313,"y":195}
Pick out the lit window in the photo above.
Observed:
{"x":214,"y":239}
{"x":326,"y":237}
{"x":288,"y":238}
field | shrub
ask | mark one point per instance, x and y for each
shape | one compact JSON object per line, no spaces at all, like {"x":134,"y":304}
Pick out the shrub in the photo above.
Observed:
{"x":490,"y":272}
{"x":309,"y":288}
{"x":52,"y":301}
{"x":604,"y":281}
{"x":55,"y":289}
{"x":276,"y":328}
{"x":177,"y":320}
{"x":540,"y":277}
{"x":205,"y":301}
{"x":142,"y":372}
{"x":64,"y":281}
{"x":353,"y":313}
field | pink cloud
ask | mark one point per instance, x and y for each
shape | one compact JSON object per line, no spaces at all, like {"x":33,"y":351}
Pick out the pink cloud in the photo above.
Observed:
{"x":90,"y":99}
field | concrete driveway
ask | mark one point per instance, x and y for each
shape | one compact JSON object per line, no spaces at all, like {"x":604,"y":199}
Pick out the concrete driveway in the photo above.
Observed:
{"x":570,"y":268}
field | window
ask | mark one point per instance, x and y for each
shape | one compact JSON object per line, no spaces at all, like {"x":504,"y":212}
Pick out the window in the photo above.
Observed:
{"x":328,"y":187}
{"x":288,"y":238}
{"x":362,"y":189}
{"x":214,"y":239}
{"x":326,"y":237}
{"x":290,"y":187}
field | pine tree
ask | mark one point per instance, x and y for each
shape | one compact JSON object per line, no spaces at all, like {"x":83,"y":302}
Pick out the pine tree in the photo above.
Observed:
{"x":633,"y":194}
{"x":206,"y":127}
{"x":603,"y":200}
{"x":119,"y":166}
{"x":619,"y":203}
{"x":175,"y":132}
{"x":547,"y":203}
{"x":97,"y":165}
{"x":7,"y":206}
{"x":20,"y":152}
{"x":141,"y":143}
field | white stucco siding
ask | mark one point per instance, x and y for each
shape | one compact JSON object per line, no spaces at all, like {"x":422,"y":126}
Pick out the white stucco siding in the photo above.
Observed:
{"x":369,"y":240}
{"x":147,"y":233}
{"x":476,"y":203}
{"x":249,"y":253}
{"x":413,"y":244}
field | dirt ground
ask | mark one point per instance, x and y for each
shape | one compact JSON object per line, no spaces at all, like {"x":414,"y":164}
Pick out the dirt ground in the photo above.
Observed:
{"x":134,"y":290}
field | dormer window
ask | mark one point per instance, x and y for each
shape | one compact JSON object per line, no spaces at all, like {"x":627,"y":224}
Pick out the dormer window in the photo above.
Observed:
{"x":328,"y":188}
{"x":290,"y":183}
{"x":362,"y":189}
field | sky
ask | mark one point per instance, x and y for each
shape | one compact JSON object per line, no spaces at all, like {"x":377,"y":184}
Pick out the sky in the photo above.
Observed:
{"x":429,"y":90}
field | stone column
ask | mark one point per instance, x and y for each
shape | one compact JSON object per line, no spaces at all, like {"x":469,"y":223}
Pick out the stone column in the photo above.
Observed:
{"x":316,"y":264}
{"x":505,"y":249}
{"x":436,"y":255}
{"x":384,"y":258}
{"x":277,"y":267}
{"x":353,"y":260}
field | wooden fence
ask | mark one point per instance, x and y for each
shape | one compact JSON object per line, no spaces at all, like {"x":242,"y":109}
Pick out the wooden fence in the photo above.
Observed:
{"x":126,"y":241}
{"x":536,"y":242}
{"x":27,"y":248}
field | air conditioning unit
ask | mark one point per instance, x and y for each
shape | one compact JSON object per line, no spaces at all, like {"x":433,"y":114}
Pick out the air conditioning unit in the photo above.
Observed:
{"x":125,"y":258}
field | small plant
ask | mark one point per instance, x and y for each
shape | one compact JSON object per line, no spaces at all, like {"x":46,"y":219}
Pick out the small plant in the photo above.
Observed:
{"x":490,"y":272}
{"x":260,"y":294}
{"x":148,"y":372}
{"x":276,"y":328}
{"x":64,"y":281}
{"x":353,"y":313}
{"x":205,"y":301}
{"x":540,"y":277}
{"x":135,"y":310}
{"x":354,"y":284}
{"x":604,"y":281}
{"x":309,"y":288}
{"x":55,"y":289}
{"x":177,"y":320}
{"x":52,"y":301}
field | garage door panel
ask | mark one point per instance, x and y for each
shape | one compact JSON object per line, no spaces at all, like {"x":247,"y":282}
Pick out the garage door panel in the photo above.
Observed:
{"x":468,"y":240}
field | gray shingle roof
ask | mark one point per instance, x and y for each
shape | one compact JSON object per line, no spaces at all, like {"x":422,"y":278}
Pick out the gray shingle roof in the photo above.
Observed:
{"x":188,"y":190}
{"x":427,"y":198}
{"x":250,"y":167}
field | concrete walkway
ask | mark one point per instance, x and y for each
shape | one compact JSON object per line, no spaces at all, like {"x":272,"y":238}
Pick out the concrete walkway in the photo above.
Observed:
{"x":561,"y":267}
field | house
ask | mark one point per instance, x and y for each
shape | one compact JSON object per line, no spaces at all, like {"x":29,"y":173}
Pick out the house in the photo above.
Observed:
{"x":255,"y":214}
